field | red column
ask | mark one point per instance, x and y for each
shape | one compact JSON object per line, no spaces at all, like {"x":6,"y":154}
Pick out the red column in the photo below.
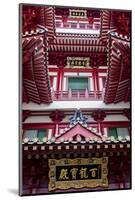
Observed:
{"x":96,"y":81}
{"x":99,"y":127}
{"x":56,"y":117}
{"x":64,"y":20}
{"x":59,"y":77}
{"x":96,"y":78}
{"x":62,"y":77}
{"x":99,"y":116}
{"x":56,"y":128}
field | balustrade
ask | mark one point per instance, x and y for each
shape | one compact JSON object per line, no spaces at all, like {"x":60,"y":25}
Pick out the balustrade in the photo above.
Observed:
{"x":77,"y":25}
{"x":76,"y":95}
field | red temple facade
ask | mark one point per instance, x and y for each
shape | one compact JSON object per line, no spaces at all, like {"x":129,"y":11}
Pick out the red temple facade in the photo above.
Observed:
{"x":75,"y":93}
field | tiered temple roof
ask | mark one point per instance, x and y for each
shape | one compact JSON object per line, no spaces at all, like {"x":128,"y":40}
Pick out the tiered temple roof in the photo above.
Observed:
{"x":41,"y":41}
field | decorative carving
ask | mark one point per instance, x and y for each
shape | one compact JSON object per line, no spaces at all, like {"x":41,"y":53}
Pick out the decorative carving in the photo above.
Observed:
{"x":98,"y":115}
{"x":78,"y":117}
{"x":57,"y":116}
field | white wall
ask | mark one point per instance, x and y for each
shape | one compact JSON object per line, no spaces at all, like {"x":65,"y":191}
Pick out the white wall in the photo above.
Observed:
{"x":100,"y":84}
{"x":55,"y":83}
{"x":71,"y":30}
{"x":71,"y":74}
{"x":91,"y":85}
{"x":116,"y":118}
{"x":64,"y":84}
{"x":74,"y":105}
{"x":38,"y":119}
{"x":52,"y":73}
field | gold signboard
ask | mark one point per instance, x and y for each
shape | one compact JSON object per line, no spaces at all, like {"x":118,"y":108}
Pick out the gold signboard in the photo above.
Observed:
{"x":74,"y":13}
{"x":77,"y":62}
{"x":77,"y":173}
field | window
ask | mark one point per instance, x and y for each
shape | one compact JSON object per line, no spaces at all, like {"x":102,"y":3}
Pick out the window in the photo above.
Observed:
{"x":113,"y":132}
{"x":77,"y":83}
{"x":31,"y":134}
{"x":116,"y":132}
{"x":40,"y":134}
{"x":122,"y":132}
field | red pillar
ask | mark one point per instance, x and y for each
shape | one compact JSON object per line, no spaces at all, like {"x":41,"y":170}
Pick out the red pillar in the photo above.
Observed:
{"x":56,"y":129}
{"x":56,"y":117}
{"x":96,"y":81}
{"x":99,"y":116}
{"x":59,"y":78}
{"x":62,"y":77}
{"x":99,"y":127}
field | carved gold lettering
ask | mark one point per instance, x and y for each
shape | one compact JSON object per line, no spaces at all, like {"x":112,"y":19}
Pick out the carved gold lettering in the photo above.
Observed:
{"x":74,"y":172}
{"x":83,"y":173}
{"x":93,"y":172}
{"x":63,"y":174}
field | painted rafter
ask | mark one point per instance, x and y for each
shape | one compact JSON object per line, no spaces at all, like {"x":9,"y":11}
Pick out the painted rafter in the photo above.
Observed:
{"x":35,"y":72}
{"x":77,"y":45}
{"x":118,"y":79}
{"x":47,"y":19}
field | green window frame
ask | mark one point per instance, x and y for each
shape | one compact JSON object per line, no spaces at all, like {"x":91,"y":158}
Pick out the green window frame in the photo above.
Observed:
{"x":41,"y":134}
{"x":30,"y":134}
{"x":78,"y":83}
{"x":123,"y":131}
{"x":120,"y":131}
{"x":113,"y":132}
